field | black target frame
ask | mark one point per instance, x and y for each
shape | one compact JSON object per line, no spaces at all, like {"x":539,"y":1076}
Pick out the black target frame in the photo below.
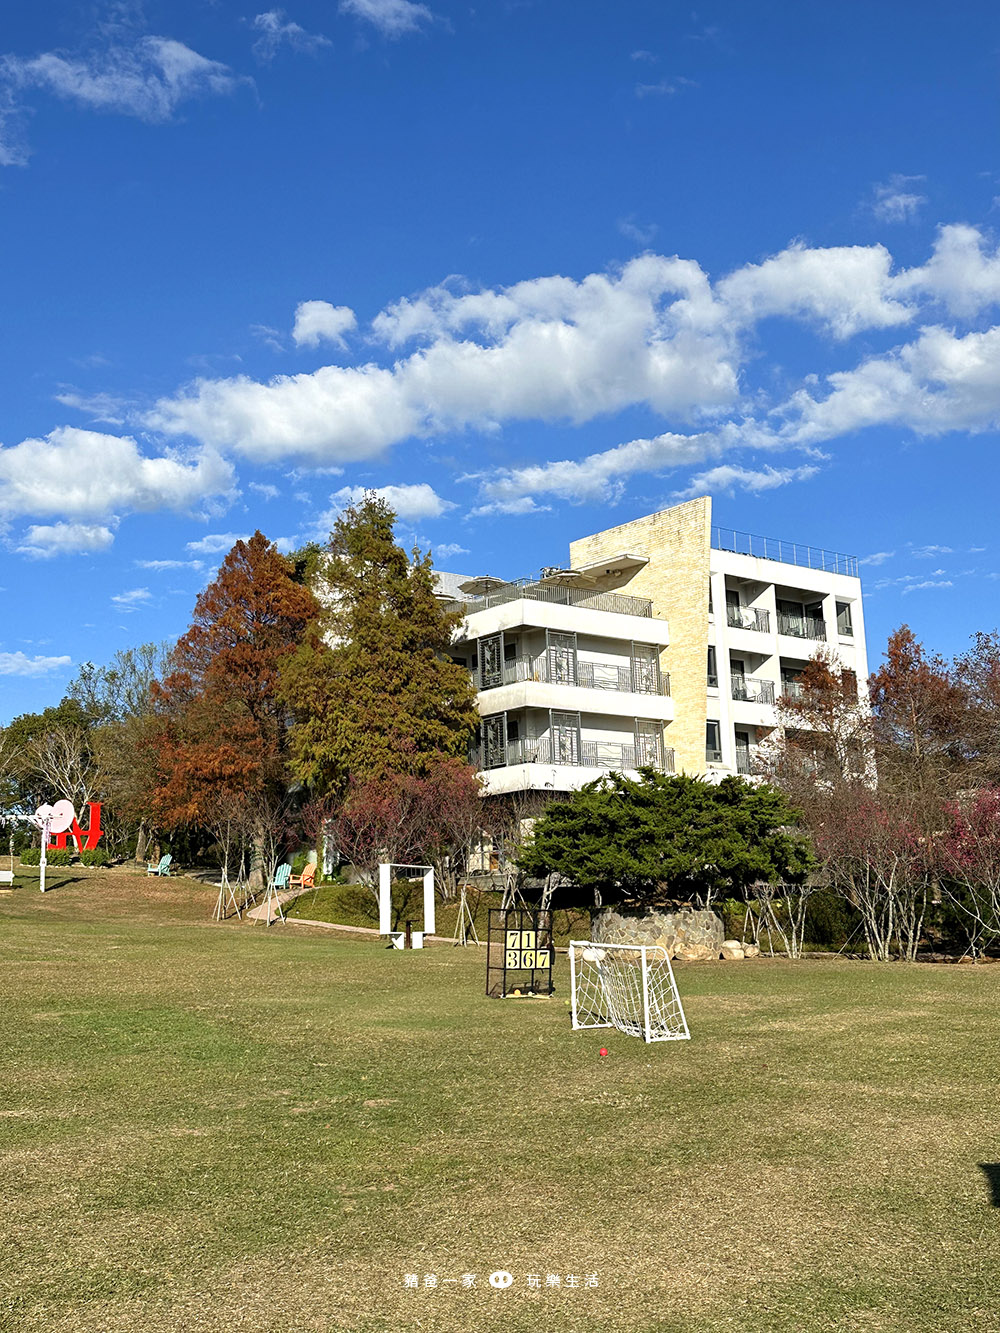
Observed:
{"x":519,"y":952}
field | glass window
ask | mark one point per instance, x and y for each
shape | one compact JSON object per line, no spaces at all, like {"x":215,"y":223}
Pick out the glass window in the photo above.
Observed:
{"x":713,"y":674}
{"x":844,"y":624}
{"x":713,"y":746}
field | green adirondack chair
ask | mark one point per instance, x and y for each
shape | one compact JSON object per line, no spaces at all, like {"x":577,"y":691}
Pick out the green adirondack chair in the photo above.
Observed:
{"x":163,"y":868}
{"x":280,"y":880}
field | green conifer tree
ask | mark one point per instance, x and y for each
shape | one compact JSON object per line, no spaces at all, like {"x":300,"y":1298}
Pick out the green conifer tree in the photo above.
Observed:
{"x":372,"y":688}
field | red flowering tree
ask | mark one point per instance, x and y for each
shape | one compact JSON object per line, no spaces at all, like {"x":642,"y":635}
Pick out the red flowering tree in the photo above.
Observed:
{"x":968,"y":857}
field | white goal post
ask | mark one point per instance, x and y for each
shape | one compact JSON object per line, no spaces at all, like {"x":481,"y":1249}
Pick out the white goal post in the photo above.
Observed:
{"x":630,"y":987}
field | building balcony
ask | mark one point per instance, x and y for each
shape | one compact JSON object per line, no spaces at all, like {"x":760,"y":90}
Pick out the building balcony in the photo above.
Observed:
{"x":744,"y":764}
{"x":531,"y":590}
{"x":792,"y":689}
{"x":749,"y":617}
{"x":609,"y":755}
{"x":750,"y":690}
{"x":801,"y":627}
{"x":638,"y":677}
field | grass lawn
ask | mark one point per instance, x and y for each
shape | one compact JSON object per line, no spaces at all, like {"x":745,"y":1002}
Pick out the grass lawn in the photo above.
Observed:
{"x":224,"y":1127}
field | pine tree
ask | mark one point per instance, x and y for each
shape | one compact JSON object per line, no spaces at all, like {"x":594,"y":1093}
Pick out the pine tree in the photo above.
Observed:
{"x":373,"y":688}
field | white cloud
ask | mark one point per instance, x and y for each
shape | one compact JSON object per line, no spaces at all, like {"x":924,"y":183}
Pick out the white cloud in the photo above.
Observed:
{"x":265,"y":489}
{"x":147,"y":78}
{"x":938,"y":383}
{"x":961,"y":273}
{"x":286,"y":544}
{"x":46,"y":541}
{"x":18,"y":664}
{"x":393,"y":18}
{"x":104,"y":407}
{"x":160,"y":565}
{"x":86,"y":474}
{"x":847,"y":288}
{"x":276,"y":30}
{"x":449,"y":550}
{"x":927,"y":583}
{"x":896,"y":201}
{"x":876,"y":558}
{"x":214,"y":543}
{"x":636,"y":231}
{"x":600,"y":476}
{"x":132,"y":599}
{"x":319,"y":321}
{"x":551,"y":349}
{"x":408,"y":502}
{"x":931,"y":552}
{"x":725,"y":477}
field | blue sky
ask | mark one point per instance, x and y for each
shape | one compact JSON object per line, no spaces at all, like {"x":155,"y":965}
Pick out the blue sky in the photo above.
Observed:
{"x":538,"y":266}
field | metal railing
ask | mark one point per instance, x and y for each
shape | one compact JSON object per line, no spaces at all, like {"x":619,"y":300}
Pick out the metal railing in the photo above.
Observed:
{"x":744,"y":764}
{"x":531,"y":591}
{"x":583,"y":754}
{"x":712,"y":756}
{"x":792,"y":689}
{"x":749,"y":617}
{"x":789,"y":553}
{"x":752,"y":690}
{"x":801,"y":626}
{"x":638,"y":677}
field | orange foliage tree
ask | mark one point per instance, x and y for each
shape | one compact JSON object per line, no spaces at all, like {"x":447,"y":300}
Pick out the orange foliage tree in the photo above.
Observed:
{"x":221,"y":727}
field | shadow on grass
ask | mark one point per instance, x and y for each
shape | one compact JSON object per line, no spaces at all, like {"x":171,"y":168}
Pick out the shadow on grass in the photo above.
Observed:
{"x":991,"y":1170}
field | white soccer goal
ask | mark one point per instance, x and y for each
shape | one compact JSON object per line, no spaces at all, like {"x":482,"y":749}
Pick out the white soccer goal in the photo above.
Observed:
{"x":630,"y":987}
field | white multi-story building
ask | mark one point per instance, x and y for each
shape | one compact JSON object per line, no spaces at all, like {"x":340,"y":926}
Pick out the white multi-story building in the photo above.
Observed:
{"x":664,"y":643}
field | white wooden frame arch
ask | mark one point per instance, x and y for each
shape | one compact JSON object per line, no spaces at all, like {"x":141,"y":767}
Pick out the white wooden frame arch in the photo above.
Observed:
{"x":385,"y":870}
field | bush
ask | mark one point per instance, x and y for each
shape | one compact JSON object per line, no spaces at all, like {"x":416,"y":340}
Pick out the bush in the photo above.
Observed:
{"x":95,"y":856}
{"x":55,"y":856}
{"x":831,"y":922}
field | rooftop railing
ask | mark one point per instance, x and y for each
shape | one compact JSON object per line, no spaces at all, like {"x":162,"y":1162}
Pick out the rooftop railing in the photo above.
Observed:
{"x":789,"y":553}
{"x":531,"y":590}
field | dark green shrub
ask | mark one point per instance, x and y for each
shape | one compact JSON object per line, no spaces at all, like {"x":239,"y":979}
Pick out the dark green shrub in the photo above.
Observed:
{"x":31,"y":856}
{"x":95,"y":856}
{"x":59,"y":856}
{"x":831,"y":922}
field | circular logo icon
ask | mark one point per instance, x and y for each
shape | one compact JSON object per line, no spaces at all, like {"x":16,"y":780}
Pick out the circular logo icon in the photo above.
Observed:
{"x":501,"y":1279}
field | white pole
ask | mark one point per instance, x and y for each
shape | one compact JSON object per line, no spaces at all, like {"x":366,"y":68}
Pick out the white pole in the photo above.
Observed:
{"x":41,"y":859}
{"x":645,"y":995}
{"x":384,"y":903}
{"x":572,"y":979}
{"x":429,"y":902}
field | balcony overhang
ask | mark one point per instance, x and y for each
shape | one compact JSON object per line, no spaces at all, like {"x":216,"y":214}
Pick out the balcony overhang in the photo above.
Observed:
{"x":609,"y":566}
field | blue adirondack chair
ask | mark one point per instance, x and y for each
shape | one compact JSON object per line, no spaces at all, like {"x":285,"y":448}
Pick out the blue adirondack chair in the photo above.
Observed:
{"x":163,"y":868}
{"x":280,"y":880}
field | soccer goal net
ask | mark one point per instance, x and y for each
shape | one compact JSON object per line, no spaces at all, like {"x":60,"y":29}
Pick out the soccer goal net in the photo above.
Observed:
{"x":630,"y":987}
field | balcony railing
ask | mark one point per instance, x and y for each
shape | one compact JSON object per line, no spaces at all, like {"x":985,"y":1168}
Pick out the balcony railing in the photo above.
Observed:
{"x":532,"y":591}
{"x":744,"y":763}
{"x":584,"y":754}
{"x":801,"y":626}
{"x":638,"y":677}
{"x":790,"y":553}
{"x":750,"y":690}
{"x":792,"y":689}
{"x":749,"y":617}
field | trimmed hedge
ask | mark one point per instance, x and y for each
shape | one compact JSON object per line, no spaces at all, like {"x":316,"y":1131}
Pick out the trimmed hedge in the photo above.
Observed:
{"x":95,"y":856}
{"x":55,"y":856}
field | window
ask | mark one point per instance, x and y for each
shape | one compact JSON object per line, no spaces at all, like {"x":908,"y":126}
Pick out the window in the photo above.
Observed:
{"x":713,"y":674}
{"x":849,"y":683}
{"x":713,"y":744}
{"x":844,"y":623}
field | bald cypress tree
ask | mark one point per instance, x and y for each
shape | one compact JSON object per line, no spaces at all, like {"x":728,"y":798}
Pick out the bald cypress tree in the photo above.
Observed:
{"x":372,"y":687}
